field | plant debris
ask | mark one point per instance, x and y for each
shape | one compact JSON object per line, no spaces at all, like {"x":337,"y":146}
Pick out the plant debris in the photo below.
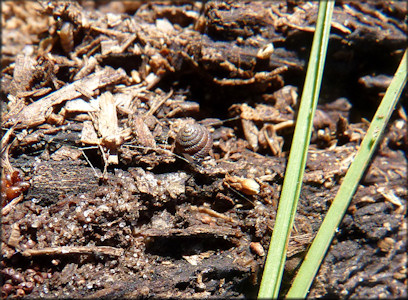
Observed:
{"x":98,"y":200}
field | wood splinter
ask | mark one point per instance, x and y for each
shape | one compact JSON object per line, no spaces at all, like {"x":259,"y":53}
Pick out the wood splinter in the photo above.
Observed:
{"x":96,"y":250}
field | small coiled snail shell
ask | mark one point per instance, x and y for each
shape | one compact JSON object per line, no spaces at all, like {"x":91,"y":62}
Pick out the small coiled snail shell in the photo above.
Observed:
{"x":194,"y":140}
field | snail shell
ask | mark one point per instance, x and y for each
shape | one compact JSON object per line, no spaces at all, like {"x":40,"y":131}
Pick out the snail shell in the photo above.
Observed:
{"x":194,"y":140}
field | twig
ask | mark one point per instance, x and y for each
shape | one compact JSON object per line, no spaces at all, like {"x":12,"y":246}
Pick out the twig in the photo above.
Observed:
{"x":6,"y":137}
{"x":156,"y":107}
{"x":105,"y":166}
{"x":89,"y":162}
{"x":6,"y":209}
{"x":96,"y":250}
{"x":216,"y":214}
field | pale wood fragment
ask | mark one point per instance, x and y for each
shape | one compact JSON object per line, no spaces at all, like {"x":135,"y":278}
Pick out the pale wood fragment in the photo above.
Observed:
{"x":37,"y":112}
{"x":96,"y":250}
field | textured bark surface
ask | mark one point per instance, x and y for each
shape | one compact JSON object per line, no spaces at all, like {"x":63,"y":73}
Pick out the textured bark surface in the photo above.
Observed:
{"x":93,"y":96}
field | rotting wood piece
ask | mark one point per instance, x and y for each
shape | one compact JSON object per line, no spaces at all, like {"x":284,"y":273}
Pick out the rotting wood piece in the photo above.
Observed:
{"x":37,"y":112}
{"x":353,"y":20}
{"x":54,"y":179}
{"x":121,"y":208}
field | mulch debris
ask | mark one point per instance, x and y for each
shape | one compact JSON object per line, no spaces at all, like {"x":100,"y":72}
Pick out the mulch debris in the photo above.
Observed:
{"x":98,"y":202}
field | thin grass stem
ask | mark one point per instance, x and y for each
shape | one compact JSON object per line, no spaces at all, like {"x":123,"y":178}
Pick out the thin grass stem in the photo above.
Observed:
{"x":321,"y":243}
{"x":275,"y":262}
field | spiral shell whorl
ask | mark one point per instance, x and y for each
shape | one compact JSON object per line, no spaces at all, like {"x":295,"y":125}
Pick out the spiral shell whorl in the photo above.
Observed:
{"x":194,"y":140}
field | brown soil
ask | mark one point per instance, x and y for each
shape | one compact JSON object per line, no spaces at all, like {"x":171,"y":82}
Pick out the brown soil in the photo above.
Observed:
{"x":93,"y":96}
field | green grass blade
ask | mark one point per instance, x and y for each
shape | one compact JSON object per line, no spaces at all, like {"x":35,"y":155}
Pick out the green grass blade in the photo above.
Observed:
{"x":340,"y":203}
{"x":275,"y":261}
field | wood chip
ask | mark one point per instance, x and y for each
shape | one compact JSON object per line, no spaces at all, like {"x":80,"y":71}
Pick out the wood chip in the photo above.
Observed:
{"x":143,"y":134}
{"x":96,"y":250}
{"x":5,"y":210}
{"x":107,"y":117}
{"x":66,"y":152}
{"x":88,"y":134}
{"x":37,"y":112}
